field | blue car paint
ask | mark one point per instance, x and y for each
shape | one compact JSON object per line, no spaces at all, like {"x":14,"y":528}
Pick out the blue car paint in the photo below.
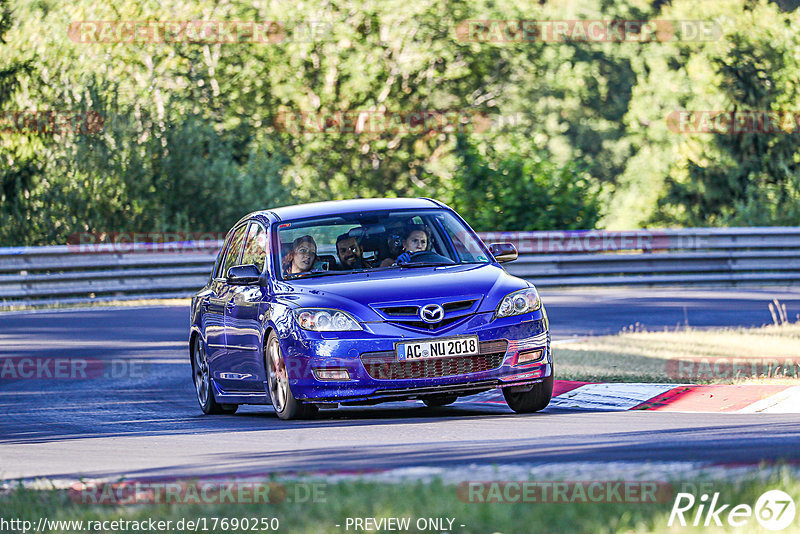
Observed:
{"x":234,"y":322}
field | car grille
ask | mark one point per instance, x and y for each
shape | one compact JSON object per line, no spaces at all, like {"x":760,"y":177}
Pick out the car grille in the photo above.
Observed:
{"x":384,"y":365}
{"x":429,"y":326}
{"x":400,"y":311}
{"x":458,"y":306}
{"x":408,"y":314}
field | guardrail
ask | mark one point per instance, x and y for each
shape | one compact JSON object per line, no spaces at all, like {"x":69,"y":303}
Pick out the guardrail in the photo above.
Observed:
{"x":31,"y":276}
{"x":693,"y":256}
{"x":729,"y":256}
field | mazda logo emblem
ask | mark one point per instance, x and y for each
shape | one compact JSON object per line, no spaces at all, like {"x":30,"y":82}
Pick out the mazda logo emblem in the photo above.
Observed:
{"x":431,"y":313}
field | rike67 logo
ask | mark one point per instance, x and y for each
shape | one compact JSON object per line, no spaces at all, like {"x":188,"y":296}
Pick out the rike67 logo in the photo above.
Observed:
{"x":774,"y":510}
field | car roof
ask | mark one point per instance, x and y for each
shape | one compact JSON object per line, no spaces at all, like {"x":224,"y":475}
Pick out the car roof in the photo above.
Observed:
{"x":336,"y":207}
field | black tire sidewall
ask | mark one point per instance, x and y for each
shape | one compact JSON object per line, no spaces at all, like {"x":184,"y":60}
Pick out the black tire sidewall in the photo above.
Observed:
{"x":211,"y":407}
{"x":439,"y":402}
{"x":534,"y":400}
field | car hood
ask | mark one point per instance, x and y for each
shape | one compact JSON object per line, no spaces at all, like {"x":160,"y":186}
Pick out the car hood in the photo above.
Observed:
{"x":359,"y":293}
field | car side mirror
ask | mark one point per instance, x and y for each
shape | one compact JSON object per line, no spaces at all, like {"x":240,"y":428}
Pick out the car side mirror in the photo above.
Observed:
{"x":243,"y":275}
{"x":503,"y":252}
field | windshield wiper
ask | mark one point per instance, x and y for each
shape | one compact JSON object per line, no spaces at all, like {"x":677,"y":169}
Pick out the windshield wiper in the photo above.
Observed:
{"x":424,"y":264}
{"x":312,"y":274}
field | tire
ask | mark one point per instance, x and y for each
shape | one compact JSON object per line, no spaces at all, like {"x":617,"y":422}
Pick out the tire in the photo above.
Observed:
{"x":280,"y":393}
{"x":202,"y":382}
{"x":436,"y":402}
{"x":533,"y":400}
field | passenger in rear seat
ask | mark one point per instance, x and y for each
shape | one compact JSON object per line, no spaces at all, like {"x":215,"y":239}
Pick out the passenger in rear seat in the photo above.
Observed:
{"x":351,"y":256}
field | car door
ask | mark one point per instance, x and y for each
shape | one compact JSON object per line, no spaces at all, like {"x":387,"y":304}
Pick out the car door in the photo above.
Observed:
{"x":243,"y":361}
{"x":214,"y":303}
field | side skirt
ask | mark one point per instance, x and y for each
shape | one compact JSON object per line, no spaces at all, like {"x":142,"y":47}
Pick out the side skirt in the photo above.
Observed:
{"x":239,"y":398}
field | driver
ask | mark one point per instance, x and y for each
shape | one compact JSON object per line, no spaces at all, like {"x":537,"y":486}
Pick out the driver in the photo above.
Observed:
{"x":416,"y":239}
{"x":351,"y":256}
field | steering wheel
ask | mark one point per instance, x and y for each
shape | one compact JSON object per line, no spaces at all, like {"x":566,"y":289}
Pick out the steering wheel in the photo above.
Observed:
{"x":428,"y":256}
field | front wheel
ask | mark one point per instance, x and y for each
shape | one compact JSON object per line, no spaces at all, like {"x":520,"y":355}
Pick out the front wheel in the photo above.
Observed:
{"x":535,"y":399}
{"x":202,"y":382}
{"x":286,"y":406}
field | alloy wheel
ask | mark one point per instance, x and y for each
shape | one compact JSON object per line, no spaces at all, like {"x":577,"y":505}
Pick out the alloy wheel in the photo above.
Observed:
{"x":278,"y":378}
{"x":202,"y":381}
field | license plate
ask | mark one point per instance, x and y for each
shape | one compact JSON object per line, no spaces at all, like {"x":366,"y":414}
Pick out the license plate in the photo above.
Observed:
{"x":438,"y":348}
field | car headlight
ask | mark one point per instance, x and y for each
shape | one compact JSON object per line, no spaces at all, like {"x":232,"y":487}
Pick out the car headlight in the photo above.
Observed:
{"x":325,"y":320}
{"x":519,"y":302}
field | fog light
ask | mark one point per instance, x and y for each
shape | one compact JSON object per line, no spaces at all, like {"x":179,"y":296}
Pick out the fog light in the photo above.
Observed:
{"x":332,"y":374}
{"x":529,"y":356}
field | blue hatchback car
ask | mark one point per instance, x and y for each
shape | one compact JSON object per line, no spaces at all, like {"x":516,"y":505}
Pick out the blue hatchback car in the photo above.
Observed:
{"x":359,"y":302}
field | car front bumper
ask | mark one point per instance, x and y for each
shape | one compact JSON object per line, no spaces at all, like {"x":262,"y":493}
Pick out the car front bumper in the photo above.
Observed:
{"x":376,"y":375}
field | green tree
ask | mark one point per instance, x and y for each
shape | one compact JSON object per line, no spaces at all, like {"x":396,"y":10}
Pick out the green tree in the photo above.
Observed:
{"x":747,"y":177}
{"x":194,"y":133}
{"x":18,"y":168}
{"x":514,"y":192}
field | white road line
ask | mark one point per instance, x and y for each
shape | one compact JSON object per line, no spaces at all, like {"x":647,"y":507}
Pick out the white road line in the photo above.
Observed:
{"x":565,"y":341}
{"x":787,"y":401}
{"x":609,"y":396}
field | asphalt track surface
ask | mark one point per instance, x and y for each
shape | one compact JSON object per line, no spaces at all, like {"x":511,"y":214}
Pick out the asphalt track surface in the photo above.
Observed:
{"x":144,"y":421}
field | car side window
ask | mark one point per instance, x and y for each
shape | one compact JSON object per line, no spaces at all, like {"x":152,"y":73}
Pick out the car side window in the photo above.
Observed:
{"x":232,"y":253}
{"x":255,"y":246}
{"x":217,"y":273}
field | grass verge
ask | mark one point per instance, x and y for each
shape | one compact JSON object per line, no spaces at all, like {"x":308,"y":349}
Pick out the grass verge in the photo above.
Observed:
{"x":769,"y":354}
{"x":335,"y":503}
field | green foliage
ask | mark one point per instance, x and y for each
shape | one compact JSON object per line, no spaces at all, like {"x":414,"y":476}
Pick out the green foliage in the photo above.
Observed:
{"x":194,"y":134}
{"x":511,"y":191}
{"x":697,"y":179}
{"x":17,"y":171}
{"x":139,"y":173}
{"x":748,"y":177}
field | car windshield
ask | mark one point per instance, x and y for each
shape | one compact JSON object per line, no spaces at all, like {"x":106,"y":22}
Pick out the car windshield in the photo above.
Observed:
{"x":328,"y":246}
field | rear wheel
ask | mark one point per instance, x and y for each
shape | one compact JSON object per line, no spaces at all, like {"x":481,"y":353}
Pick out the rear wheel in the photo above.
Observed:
{"x":533,"y":400}
{"x":286,"y":406}
{"x":435,"y":402}
{"x":202,"y":382}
